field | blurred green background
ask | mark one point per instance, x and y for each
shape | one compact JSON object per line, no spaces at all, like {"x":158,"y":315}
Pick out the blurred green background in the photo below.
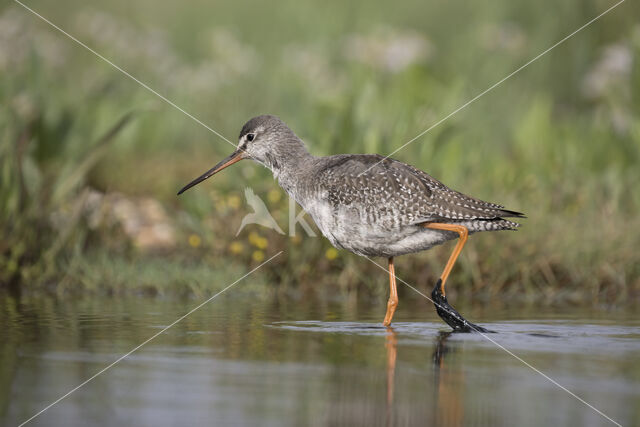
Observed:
{"x":91,"y":161}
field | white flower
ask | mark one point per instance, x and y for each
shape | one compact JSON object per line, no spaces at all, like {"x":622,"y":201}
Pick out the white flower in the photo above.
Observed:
{"x":388,"y":49}
{"x":612,"y":71}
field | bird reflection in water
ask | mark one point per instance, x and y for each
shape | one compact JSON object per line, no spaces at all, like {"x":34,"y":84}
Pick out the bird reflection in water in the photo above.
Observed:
{"x":448,"y":408}
{"x":448,"y":383}
{"x":391,"y":344}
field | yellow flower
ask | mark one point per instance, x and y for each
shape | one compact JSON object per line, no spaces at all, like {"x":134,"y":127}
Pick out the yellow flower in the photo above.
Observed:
{"x":236,"y":248}
{"x":253,"y":238}
{"x":258,"y":241}
{"x":257,"y":256}
{"x":194,"y":240}
{"x":262,"y":243}
{"x":233,"y":201}
{"x":331,"y":253}
{"x":274,"y":196}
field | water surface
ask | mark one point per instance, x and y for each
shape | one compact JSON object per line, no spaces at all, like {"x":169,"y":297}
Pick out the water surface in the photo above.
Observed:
{"x":242,"y":360}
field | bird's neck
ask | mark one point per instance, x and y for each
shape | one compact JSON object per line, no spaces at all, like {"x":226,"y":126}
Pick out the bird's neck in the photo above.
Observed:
{"x":289,"y":163}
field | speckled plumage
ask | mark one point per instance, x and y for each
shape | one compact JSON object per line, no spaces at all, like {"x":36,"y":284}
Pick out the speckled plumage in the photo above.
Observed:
{"x":368,"y":204}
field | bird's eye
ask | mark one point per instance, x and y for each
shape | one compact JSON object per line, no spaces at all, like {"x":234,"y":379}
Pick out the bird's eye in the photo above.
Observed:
{"x":250,"y":137}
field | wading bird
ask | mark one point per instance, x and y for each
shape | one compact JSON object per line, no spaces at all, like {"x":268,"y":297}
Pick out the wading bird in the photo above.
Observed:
{"x":369,"y":204}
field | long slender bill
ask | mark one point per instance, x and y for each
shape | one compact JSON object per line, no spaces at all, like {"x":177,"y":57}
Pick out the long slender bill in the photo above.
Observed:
{"x":235,"y":157}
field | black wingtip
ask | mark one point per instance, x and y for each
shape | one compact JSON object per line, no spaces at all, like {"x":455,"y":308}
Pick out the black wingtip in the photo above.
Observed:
{"x":512,"y":214}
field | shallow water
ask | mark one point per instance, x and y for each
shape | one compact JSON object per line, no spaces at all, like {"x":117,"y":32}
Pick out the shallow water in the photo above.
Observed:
{"x":241,"y":360}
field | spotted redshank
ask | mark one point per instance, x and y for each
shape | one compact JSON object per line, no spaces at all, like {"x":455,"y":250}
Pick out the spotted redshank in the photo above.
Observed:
{"x":369,"y":204}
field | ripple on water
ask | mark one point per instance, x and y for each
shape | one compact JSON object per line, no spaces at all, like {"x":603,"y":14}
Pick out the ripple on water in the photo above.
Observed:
{"x":527,"y":336}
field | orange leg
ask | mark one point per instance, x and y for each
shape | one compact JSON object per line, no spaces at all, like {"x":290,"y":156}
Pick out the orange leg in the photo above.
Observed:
{"x":464,"y":234}
{"x":393,"y":294}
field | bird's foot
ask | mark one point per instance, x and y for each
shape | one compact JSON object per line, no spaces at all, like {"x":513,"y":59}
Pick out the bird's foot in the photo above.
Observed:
{"x":450,"y":315}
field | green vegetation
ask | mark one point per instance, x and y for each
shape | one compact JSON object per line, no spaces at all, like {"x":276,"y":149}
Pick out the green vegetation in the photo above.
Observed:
{"x":90,"y":160}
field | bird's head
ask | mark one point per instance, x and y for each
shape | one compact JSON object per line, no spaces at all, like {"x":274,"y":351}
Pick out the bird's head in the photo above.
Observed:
{"x":265,"y":139}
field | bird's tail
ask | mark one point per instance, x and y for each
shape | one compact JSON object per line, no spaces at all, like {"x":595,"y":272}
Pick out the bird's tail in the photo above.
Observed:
{"x":495,"y":224}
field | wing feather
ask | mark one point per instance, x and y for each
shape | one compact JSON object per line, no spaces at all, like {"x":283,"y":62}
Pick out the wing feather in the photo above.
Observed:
{"x":399,"y":192}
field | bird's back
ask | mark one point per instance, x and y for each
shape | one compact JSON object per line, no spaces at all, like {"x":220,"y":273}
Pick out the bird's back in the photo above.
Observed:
{"x":380,"y":185}
{"x":369,"y":201}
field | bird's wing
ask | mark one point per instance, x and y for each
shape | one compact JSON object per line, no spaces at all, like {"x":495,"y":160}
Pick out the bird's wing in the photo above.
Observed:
{"x":412,"y":196}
